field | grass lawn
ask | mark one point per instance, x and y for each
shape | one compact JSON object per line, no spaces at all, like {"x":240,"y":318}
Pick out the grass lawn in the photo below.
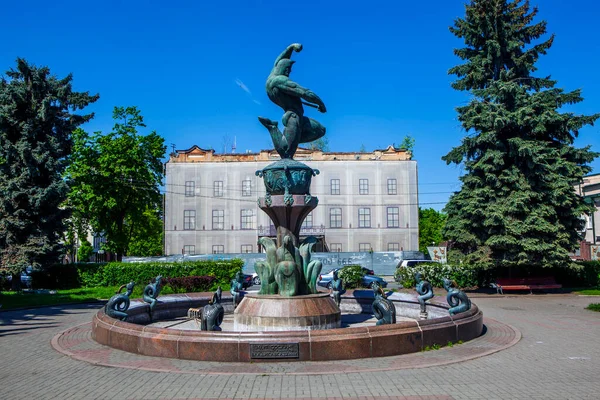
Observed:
{"x":11,"y":300}
{"x":594,"y":307}
{"x":589,"y":292}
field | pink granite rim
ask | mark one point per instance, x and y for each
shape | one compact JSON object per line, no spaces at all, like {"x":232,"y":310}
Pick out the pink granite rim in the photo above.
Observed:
{"x":318,"y":345}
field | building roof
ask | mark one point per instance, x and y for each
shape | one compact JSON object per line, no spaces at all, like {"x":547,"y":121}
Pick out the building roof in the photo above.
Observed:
{"x":198,"y":154}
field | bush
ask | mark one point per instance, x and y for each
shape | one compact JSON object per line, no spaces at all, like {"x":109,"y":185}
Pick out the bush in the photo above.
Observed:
{"x":70,"y":276}
{"x":351,"y":275}
{"x":188,"y":284}
{"x":435,"y":273}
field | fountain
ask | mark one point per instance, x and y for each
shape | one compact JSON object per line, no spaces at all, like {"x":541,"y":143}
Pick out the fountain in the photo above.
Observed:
{"x":288,"y":318}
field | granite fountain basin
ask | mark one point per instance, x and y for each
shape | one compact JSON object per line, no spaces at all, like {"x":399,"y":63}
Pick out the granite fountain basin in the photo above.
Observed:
{"x":353,"y":340}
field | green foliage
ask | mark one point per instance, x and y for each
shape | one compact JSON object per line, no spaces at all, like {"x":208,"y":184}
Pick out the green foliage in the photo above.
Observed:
{"x":362,"y":149}
{"x":431,"y":223}
{"x":517,"y":206}
{"x":115,"y":180}
{"x":464,"y":277}
{"x":147,"y":236}
{"x":319,"y":144}
{"x":85,"y":251}
{"x":37,"y":120}
{"x":352,"y":276}
{"x":594,"y":307}
{"x":408,"y":143}
{"x":68,"y":276}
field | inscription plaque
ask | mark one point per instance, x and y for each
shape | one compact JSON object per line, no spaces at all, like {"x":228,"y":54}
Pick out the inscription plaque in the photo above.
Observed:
{"x":274,"y":350}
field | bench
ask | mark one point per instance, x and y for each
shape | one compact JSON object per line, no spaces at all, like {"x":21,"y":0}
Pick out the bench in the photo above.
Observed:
{"x":531,"y":284}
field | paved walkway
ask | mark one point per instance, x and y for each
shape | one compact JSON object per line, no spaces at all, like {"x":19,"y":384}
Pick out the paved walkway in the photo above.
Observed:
{"x":558,"y":357}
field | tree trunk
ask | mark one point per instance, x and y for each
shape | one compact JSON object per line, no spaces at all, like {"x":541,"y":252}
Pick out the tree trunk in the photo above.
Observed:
{"x":16,"y":282}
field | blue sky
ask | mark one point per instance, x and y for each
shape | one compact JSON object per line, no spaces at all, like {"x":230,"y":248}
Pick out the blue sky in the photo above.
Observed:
{"x":380,"y":67}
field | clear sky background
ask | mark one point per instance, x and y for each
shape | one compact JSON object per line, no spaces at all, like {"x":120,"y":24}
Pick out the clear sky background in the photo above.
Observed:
{"x":197,"y":69}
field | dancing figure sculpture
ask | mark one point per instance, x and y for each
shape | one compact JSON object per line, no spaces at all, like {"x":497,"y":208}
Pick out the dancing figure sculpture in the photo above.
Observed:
{"x":118,"y":305}
{"x":457,"y":299}
{"x":288,"y":95}
{"x":383,"y":309}
{"x":425,"y":291}
{"x":237,"y":287}
{"x":337,"y":288}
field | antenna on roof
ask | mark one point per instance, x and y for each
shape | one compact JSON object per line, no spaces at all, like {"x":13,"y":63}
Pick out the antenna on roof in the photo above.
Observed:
{"x":173,"y":148}
{"x":233,"y":147}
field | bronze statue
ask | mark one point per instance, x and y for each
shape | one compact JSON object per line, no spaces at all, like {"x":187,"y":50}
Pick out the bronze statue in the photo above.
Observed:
{"x":288,"y":95}
{"x":118,"y":305}
{"x":383,"y":308}
{"x":337,"y":287}
{"x":457,"y":299}
{"x":213,"y":313}
{"x":237,"y":287}
{"x":425,"y":293}
{"x":151,"y":292}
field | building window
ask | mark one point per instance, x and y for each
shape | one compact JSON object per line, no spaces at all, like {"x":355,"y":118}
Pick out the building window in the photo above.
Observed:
{"x":190,"y":186}
{"x":364,"y":247}
{"x":218,"y":249}
{"x":189,"y":250}
{"x":218,"y":220}
{"x":363,"y":186}
{"x":308,"y":221}
{"x":393,"y":217}
{"x":335,"y":186}
{"x":246,"y":248}
{"x":392,"y":186}
{"x":364,"y":217}
{"x":336,"y":247}
{"x":335,"y":218}
{"x":218,"y":188}
{"x":393,"y":246}
{"x":189,"y":220}
{"x":247,"y":219}
{"x":247,"y":187}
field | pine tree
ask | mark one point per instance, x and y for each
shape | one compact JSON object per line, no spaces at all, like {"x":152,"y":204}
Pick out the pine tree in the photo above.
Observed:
{"x":517,"y":205}
{"x":37,"y":119}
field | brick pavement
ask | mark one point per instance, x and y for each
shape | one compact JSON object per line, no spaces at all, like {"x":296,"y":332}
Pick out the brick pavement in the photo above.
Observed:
{"x":557,"y":358}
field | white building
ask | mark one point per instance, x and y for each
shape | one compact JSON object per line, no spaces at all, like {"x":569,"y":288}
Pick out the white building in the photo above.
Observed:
{"x":367,"y":201}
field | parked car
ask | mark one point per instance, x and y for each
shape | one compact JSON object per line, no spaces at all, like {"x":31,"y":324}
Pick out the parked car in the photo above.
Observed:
{"x":25,"y":278}
{"x":247,"y":282}
{"x":368,"y":278}
{"x":255,"y":279}
{"x":413,"y":263}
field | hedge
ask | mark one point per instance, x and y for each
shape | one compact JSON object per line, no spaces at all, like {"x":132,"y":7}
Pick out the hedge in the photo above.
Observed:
{"x":70,"y":276}
{"x":352,"y":276}
{"x":435,"y":273}
{"x":189,"y":284}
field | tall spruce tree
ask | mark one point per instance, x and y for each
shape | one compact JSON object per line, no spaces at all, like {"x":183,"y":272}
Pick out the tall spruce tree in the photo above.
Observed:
{"x":37,"y":119}
{"x":517,"y":205}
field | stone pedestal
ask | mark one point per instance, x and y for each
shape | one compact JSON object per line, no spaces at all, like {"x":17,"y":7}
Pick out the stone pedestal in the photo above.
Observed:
{"x":287,"y":218}
{"x":278,"y":313}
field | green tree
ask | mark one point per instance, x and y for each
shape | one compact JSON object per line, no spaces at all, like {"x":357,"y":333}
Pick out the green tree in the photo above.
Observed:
{"x":431,"y":223}
{"x":408,"y":143}
{"x":37,"y":120}
{"x":362,"y":149}
{"x":319,"y":144}
{"x":85,"y":251}
{"x":115,"y":178}
{"x":147,"y":237}
{"x":517,"y":206}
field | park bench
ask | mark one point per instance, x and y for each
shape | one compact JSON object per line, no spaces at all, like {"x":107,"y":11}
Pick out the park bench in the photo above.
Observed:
{"x":531,"y":284}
